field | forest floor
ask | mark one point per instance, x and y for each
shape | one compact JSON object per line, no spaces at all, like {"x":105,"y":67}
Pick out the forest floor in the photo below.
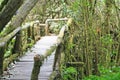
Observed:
{"x":23,"y":68}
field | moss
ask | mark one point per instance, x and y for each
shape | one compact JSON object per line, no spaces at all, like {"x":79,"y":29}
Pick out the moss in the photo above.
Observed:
{"x":9,"y":60}
{"x":75,"y":64}
{"x":53,"y":75}
{"x":37,"y":64}
{"x":49,"y":51}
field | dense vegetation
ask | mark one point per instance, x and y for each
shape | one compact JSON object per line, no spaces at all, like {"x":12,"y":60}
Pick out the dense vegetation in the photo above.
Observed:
{"x":93,"y":38}
{"x":91,"y":45}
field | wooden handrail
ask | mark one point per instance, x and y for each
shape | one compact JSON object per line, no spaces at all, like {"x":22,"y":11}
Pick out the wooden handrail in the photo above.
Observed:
{"x":59,"y":43}
{"x":51,"y":20}
{"x":5,"y":39}
{"x":38,"y":60}
{"x":62,"y":31}
{"x":60,"y":37}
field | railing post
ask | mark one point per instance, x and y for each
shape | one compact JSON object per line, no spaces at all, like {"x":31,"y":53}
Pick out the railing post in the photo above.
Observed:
{"x":46,"y":28}
{"x":57,"y":57}
{"x":36,"y":68}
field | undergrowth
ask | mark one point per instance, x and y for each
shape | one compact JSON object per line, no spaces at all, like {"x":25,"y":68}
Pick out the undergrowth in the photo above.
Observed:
{"x":106,"y":74}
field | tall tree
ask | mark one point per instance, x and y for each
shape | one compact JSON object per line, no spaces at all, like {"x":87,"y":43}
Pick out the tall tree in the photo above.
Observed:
{"x":8,"y":11}
{"x":16,"y":22}
{"x":19,"y":18}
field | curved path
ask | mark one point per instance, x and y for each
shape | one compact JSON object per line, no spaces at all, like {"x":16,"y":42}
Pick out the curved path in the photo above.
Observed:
{"x":23,"y":68}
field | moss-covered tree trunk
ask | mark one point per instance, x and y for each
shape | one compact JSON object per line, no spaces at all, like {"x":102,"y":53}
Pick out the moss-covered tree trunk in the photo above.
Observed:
{"x":17,"y":21}
{"x":21,"y":15}
{"x":8,"y":11}
{"x":107,"y":30}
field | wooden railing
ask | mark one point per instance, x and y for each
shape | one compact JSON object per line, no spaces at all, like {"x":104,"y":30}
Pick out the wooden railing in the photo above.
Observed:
{"x":40,"y":58}
{"x":52,"y":20}
{"x":59,"y":58}
{"x":5,"y":39}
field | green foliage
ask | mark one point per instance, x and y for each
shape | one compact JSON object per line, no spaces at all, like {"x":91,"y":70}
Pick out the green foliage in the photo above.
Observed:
{"x":69,"y":73}
{"x":9,"y":49}
{"x":112,"y":76}
{"x":106,"y":39}
{"x":7,"y":53}
{"x":115,"y":69}
{"x":106,"y":74}
{"x":1,"y":1}
{"x":104,"y":71}
{"x":55,"y":27}
{"x":31,"y":42}
{"x":70,"y":46}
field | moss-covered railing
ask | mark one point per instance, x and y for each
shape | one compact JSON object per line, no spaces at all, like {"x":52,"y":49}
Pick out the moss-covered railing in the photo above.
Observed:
{"x":60,"y":55}
{"x":38,"y":59}
{"x":52,"y":20}
{"x":4,"y":41}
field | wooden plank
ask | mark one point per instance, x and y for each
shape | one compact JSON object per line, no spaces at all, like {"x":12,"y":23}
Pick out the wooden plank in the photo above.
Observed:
{"x":23,"y":68}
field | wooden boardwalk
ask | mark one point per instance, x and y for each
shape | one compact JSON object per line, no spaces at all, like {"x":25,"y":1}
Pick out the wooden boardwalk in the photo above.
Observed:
{"x":23,"y":68}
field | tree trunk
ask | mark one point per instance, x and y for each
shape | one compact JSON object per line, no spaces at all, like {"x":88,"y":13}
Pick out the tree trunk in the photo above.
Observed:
{"x":107,"y":30}
{"x":8,"y":11}
{"x":21,"y":15}
{"x":17,"y":21}
{"x":6,"y":14}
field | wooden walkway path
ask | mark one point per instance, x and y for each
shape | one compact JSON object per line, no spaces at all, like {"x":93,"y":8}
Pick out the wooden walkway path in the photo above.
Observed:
{"x":23,"y":68}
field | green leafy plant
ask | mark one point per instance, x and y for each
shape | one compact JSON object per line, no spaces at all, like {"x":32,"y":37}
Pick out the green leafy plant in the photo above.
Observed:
{"x":31,"y":42}
{"x":106,"y":74}
{"x":69,"y":73}
{"x":8,"y":51}
{"x":107,"y":39}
